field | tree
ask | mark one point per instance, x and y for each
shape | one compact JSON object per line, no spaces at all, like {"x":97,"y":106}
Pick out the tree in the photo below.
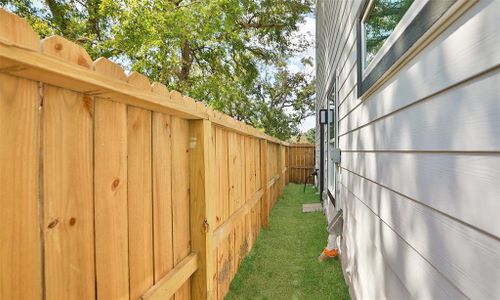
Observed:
{"x":285,"y":101}
{"x":311,"y":135}
{"x":228,"y":53}
{"x":381,"y":21}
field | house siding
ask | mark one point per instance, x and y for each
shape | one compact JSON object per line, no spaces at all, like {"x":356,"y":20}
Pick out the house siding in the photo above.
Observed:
{"x":419,"y":180}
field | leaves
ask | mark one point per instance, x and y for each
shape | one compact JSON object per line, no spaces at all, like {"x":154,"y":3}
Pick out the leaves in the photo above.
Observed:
{"x":381,"y":21}
{"x":228,"y":53}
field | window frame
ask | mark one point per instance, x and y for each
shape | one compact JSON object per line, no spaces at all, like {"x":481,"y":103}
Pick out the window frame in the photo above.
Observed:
{"x":409,"y":15}
{"x":423,"y":21}
{"x":332,"y":141}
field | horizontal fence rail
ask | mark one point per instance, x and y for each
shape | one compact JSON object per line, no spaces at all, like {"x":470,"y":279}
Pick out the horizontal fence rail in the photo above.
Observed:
{"x":115,"y":188}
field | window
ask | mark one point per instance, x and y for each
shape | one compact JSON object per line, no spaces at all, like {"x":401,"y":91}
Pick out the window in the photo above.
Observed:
{"x":381,"y":19}
{"x":389,"y":30}
{"x":331,"y":138}
{"x":331,"y":116}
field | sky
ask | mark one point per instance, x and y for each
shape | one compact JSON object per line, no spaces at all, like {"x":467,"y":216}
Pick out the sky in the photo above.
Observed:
{"x":294,"y":64}
{"x":308,"y":28}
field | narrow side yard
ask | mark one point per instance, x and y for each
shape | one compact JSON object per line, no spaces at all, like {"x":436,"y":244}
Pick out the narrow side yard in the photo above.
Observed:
{"x":283,"y":262}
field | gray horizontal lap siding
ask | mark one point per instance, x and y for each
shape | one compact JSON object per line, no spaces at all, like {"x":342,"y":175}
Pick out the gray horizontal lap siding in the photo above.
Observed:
{"x":420,"y":161}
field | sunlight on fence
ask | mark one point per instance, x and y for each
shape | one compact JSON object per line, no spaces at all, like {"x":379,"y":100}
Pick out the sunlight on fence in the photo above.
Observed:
{"x":112,"y":187}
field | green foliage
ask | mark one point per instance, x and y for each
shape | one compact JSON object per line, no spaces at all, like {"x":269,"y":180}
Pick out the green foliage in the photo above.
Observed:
{"x":228,"y":53}
{"x":283,"y":262}
{"x":311,"y":135}
{"x":285,"y":101}
{"x":382,"y":20}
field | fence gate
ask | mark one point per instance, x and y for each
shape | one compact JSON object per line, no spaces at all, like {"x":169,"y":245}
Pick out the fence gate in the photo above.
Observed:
{"x":301,"y":159}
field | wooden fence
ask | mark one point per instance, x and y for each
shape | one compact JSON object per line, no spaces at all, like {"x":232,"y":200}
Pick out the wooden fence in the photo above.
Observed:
{"x":115,"y":188}
{"x":302,"y":162}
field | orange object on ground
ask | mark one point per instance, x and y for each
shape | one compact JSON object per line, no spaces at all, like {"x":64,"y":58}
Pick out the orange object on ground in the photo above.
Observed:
{"x":331,"y":253}
{"x":328,"y":254}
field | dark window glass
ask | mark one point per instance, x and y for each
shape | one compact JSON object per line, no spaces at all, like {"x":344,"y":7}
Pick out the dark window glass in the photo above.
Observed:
{"x":332,"y":119}
{"x":380,"y":22}
{"x":331,"y":114}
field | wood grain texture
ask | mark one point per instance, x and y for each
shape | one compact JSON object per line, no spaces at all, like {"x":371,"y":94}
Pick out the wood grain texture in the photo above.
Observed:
{"x":46,"y":68}
{"x":110,"y":190}
{"x":224,"y":257}
{"x":68,"y":193}
{"x":140,"y":194}
{"x":258,"y":164}
{"x":140,"y":81}
{"x":256,"y":187}
{"x":140,"y":201}
{"x":202,"y":216}
{"x":32,"y":65}
{"x":162,"y":195}
{"x":235,"y":191}
{"x":161,"y":89}
{"x":114,"y":218}
{"x":235,"y":167}
{"x":166,"y":287}
{"x":17,"y":31}
{"x":20,"y":249}
{"x":249,"y":178}
{"x":264,"y":180}
{"x":239,"y":244}
{"x":108,"y":68}
{"x":301,"y":163}
{"x":234,"y":220}
{"x":222,"y":203}
{"x":20,"y":246}
{"x":67,"y":51}
{"x":68,"y":182}
{"x":162,"y":188}
{"x":180,"y":197}
{"x":214,"y":198}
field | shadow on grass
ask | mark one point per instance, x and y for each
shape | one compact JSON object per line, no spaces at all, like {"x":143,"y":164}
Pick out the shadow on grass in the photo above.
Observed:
{"x":283,"y":262}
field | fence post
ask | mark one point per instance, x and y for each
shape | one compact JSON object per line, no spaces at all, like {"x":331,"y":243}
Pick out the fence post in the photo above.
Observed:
{"x":282,"y":160}
{"x":265,"y":181}
{"x":202,"y":207}
{"x":287,"y":164}
{"x":280,"y":170}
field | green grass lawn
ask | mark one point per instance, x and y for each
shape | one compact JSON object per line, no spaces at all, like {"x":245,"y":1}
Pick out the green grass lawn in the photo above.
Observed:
{"x":283,"y":262}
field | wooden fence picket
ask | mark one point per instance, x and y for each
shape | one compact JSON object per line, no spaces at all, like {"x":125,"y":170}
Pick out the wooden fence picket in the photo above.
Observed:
{"x":140,"y":195}
{"x":110,"y":190}
{"x":162,"y":189}
{"x":68,"y":200}
{"x":20,"y":256}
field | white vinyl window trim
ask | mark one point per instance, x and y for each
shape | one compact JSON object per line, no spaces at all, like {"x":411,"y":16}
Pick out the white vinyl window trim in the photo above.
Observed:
{"x":405,"y":21}
{"x":332,"y":137}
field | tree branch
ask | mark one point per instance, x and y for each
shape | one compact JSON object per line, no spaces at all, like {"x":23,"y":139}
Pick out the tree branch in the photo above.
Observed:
{"x":259,"y":25}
